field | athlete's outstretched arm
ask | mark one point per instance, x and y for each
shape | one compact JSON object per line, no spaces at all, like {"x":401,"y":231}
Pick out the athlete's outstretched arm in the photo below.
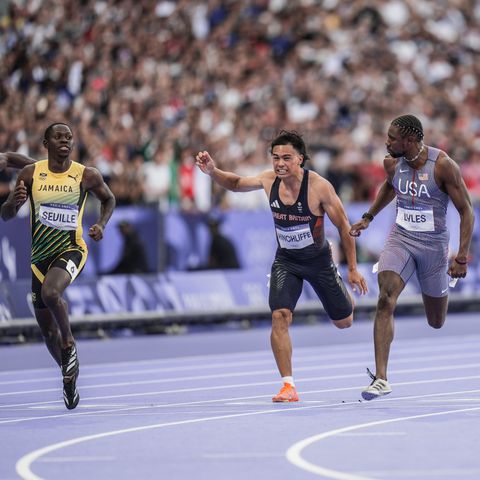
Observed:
{"x":333,"y":207}
{"x":227,"y":180}
{"x":14,"y":160}
{"x":385,"y":195}
{"x":93,"y":182}
{"x":18,"y":196}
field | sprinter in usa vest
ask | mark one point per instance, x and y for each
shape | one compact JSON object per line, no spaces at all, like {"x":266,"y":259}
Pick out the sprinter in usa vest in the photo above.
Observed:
{"x":422,"y":179}
{"x":299,"y":200}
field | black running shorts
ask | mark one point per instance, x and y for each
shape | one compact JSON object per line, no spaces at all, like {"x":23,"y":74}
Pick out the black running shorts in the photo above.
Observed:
{"x":72,"y":261}
{"x":286,"y":282}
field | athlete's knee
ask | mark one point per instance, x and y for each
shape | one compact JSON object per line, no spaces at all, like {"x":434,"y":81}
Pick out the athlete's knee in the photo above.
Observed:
{"x":51,"y":296}
{"x":436,"y":320}
{"x":281,"y":319}
{"x":344,"y":322}
{"x":386,"y":302}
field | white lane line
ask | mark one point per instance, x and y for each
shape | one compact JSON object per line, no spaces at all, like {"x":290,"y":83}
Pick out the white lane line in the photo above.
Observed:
{"x":77,"y":459}
{"x":372,"y":434}
{"x":23,"y":464}
{"x":243,"y":385}
{"x":242,"y":456}
{"x":193,"y":359}
{"x":432,"y":473}
{"x":436,"y":368}
{"x":224,"y":400}
{"x":294,"y":456}
{"x":363,"y":349}
{"x":89,"y":405}
{"x":322,"y":365}
{"x":472,"y":399}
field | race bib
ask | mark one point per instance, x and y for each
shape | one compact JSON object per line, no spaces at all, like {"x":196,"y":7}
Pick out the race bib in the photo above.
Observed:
{"x":415,"y":220}
{"x":59,"y":216}
{"x":295,"y":237}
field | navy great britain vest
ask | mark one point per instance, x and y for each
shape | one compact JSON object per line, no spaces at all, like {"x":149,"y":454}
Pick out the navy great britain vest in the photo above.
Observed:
{"x":299,"y":233}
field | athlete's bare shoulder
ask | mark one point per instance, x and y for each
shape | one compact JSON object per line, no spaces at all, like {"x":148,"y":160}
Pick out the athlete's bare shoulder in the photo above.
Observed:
{"x":444,"y":160}
{"x":320,"y":185}
{"x":445,"y":168}
{"x":28,"y":168}
{"x":389,"y":164}
{"x":26,"y":173}
{"x":317,"y":181}
{"x":267,"y":177}
{"x":91,"y":178}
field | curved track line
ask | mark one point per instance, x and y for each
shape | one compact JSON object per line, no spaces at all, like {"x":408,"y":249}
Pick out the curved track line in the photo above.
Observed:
{"x":294,"y":452}
{"x":23,"y":464}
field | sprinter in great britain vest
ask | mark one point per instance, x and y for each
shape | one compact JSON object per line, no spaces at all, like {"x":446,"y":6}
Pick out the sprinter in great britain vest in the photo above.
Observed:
{"x":300,"y":234}
{"x":303,"y":253}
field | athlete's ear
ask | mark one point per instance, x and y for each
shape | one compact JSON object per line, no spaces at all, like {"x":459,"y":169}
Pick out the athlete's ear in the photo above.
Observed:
{"x":45,"y":143}
{"x":412,"y":139}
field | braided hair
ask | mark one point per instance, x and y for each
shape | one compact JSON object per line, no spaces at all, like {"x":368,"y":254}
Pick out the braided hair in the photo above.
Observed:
{"x":409,"y":125}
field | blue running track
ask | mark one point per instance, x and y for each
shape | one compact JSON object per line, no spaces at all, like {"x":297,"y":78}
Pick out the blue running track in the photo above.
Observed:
{"x":198,"y":406}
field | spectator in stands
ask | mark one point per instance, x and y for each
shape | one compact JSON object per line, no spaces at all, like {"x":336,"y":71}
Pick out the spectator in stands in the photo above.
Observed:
{"x":157,"y":178}
{"x":128,"y":76}
{"x":222,"y":252}
{"x":134,"y":257}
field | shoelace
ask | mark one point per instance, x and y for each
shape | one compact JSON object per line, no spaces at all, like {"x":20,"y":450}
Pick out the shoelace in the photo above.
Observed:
{"x":287,"y":391}
{"x":379,"y":385}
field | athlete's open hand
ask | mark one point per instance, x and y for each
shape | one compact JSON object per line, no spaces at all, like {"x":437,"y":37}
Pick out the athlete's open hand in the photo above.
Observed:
{"x":205,"y":162}
{"x":20,"y":194}
{"x":96,"y":232}
{"x":357,"y":282}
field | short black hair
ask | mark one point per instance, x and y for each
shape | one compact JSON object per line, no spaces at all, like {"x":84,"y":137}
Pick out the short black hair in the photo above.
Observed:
{"x":409,"y":125}
{"x":49,"y":129}
{"x":290,"y":137}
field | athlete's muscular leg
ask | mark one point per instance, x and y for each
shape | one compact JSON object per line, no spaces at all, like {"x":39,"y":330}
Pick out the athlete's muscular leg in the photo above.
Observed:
{"x":50,"y":332}
{"x":347,"y":321}
{"x":55,"y":282}
{"x":390,"y":286}
{"x":436,"y":310}
{"x":280,"y":340}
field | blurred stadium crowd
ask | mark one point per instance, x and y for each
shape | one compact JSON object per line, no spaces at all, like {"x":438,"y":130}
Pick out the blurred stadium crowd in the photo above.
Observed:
{"x":145,"y":84}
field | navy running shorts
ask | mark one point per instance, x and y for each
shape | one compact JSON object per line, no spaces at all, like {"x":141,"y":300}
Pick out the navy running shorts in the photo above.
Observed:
{"x":286,"y":283}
